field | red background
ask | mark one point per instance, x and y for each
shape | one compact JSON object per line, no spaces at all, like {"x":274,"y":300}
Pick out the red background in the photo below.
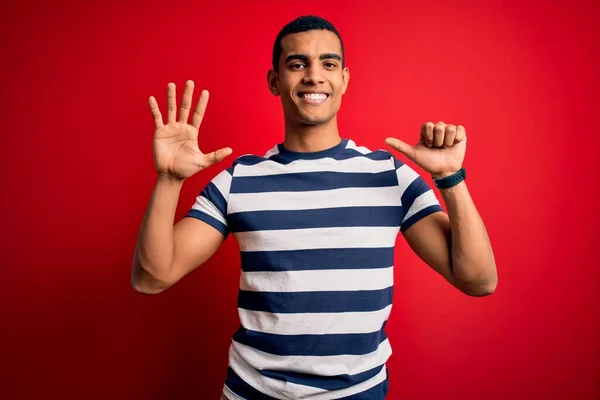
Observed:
{"x":77,"y":173}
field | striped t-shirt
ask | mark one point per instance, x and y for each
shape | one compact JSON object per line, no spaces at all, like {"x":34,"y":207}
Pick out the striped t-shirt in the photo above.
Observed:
{"x":316,"y":232}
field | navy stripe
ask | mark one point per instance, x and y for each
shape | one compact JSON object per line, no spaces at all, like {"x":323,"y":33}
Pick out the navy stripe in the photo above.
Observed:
{"x":280,"y":159}
{"x":238,"y":386}
{"x":321,"y":218}
{"x":316,"y":302}
{"x":377,"y":155}
{"x":303,"y":260}
{"x":377,"y":392}
{"x":312,"y":155}
{"x":212,"y":221}
{"x":332,"y":382}
{"x":311,"y":345}
{"x":420,"y":215}
{"x":249,"y":160}
{"x":397,"y":163}
{"x":309,"y":181}
{"x":345,"y":154}
{"x":213,"y":194}
{"x":414,"y":190}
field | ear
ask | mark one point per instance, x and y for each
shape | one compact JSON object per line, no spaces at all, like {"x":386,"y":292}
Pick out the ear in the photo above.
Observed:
{"x":346,"y":79}
{"x":272,"y":80}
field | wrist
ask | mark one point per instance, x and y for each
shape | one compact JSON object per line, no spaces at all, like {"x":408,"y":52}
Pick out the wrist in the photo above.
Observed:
{"x":446,"y":181}
{"x":442,"y":175}
{"x":169,"y":180}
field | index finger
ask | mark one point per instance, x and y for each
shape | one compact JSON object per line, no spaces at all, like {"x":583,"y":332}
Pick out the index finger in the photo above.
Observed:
{"x":200,"y":109}
{"x":158,"y":122}
{"x":461,"y":133}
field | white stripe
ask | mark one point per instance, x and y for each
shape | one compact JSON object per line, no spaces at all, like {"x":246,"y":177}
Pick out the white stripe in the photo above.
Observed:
{"x":423,"y":201}
{"x":314,"y":323}
{"x":345,"y":364}
{"x":346,"y":197}
{"x":360,"y":149}
{"x":351,"y":165}
{"x":274,"y":150}
{"x":406,"y":175}
{"x":223,"y":183}
{"x":287,"y":390}
{"x":318,"y":238}
{"x":350,"y":364}
{"x":205,"y":205}
{"x":361,"y":387}
{"x":229,"y":395}
{"x":317,"y":280}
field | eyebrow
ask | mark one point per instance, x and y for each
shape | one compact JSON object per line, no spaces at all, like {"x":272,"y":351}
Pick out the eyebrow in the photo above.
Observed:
{"x":303,"y":57}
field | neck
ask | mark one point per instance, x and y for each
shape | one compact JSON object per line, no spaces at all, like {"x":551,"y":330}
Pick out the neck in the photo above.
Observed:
{"x":311,"y":138}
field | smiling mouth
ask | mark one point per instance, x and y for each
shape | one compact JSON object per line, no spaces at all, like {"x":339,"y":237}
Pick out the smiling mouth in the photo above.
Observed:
{"x":313,"y":97}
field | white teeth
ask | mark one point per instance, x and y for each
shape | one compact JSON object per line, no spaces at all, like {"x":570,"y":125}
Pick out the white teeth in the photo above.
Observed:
{"x":314,"y":96}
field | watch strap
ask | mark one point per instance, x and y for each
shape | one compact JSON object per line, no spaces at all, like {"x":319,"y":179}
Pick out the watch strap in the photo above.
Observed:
{"x":452,"y":180}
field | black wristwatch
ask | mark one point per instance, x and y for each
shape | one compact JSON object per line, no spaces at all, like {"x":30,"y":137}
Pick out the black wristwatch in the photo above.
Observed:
{"x":452,"y":180}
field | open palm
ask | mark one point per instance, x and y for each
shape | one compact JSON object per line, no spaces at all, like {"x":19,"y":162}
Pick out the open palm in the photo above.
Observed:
{"x":175,"y":146}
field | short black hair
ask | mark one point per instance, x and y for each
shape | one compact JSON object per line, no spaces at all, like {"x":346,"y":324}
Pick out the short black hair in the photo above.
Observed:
{"x":303,"y":24}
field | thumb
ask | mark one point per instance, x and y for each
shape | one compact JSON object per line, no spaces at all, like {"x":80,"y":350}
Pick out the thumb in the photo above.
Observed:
{"x":402,"y":147}
{"x":217,"y":156}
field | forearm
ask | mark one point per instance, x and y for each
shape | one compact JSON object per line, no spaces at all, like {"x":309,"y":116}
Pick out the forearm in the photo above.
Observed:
{"x":154,"y":249}
{"x":473,"y":264}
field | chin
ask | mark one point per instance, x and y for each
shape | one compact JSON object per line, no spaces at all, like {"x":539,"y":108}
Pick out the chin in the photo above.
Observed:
{"x":312,"y":122}
{"x":314,"y":119}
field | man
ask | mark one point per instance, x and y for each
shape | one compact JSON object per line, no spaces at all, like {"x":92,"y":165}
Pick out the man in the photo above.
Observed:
{"x":316,"y":219}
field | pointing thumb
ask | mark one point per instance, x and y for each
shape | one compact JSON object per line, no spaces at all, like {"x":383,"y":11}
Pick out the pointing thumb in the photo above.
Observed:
{"x":402,"y":147}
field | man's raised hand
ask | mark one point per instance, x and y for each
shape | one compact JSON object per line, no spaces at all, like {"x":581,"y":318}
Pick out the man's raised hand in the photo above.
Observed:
{"x":175,"y":145}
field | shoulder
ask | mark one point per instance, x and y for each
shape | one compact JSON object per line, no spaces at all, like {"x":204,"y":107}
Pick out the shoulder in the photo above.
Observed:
{"x":248,"y":161}
{"x":405,"y":174}
{"x":252,"y":159}
{"x":371,"y":154}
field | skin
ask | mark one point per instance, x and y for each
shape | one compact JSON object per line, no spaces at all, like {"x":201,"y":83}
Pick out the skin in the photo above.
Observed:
{"x":310,"y":62}
{"x":454,"y":244}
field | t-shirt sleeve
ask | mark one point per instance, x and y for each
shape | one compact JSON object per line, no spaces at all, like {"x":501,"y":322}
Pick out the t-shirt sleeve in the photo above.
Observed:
{"x":211,"y":204}
{"x":417,"y":197}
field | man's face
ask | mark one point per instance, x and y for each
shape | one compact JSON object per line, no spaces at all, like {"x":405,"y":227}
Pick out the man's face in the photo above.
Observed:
{"x":311,"y":80}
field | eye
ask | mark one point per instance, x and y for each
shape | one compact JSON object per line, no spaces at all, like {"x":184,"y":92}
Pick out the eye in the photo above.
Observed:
{"x":297,"y":66}
{"x":330,"y":65}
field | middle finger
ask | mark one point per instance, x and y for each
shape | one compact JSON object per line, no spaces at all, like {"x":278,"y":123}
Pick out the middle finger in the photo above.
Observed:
{"x":186,"y":102}
{"x":438,"y":134}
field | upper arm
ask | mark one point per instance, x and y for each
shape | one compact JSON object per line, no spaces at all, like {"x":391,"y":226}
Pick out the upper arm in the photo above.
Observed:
{"x":199,"y":235}
{"x":429,"y":238}
{"x":194,"y":243}
{"x":424,"y":223}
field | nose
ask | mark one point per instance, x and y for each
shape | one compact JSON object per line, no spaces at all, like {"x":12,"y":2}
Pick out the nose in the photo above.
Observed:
{"x":313,"y":75}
